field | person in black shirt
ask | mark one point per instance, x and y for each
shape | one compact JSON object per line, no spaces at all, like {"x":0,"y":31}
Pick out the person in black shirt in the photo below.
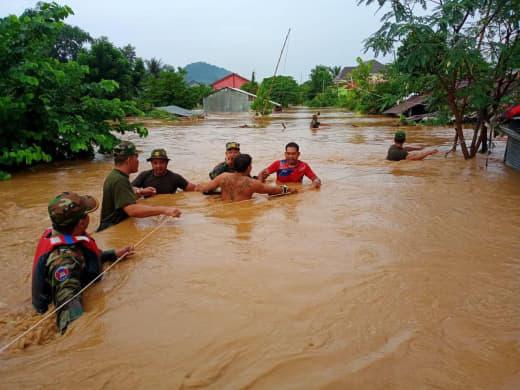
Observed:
{"x":398,"y":152}
{"x":159,"y":177}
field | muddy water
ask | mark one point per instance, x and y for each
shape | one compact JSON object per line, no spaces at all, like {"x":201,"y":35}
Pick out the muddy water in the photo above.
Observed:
{"x":393,"y":276}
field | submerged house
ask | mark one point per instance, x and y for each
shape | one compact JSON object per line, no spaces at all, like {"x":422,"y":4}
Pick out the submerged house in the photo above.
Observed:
{"x":230,"y":99}
{"x":232,"y":80}
{"x":413,"y":108}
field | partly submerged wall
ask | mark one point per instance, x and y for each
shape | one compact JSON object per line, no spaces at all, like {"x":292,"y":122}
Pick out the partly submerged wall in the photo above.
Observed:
{"x":227,"y":100}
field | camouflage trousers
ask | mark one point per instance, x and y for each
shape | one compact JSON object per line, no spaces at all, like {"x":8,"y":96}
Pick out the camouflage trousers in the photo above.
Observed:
{"x":65,"y":267}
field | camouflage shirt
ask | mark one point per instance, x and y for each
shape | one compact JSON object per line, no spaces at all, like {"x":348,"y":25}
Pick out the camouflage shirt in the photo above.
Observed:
{"x":220,"y":168}
{"x":67,"y":272}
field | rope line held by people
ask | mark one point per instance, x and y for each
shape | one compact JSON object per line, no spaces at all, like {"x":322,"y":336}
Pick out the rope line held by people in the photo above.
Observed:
{"x":108,"y":268}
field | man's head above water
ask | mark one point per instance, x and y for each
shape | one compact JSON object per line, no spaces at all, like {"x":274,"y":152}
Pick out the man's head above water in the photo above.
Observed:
{"x":232,"y":150}
{"x":243,"y":162}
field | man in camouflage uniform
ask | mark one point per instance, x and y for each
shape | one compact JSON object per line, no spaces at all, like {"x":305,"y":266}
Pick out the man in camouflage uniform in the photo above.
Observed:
{"x":67,"y":257}
{"x":232,"y":150}
{"x":119,"y":197}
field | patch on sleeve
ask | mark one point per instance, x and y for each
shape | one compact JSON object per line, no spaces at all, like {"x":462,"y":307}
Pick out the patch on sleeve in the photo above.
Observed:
{"x":61,"y":274}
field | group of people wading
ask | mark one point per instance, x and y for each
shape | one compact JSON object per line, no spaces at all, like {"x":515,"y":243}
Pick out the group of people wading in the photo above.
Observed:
{"x":67,"y":257}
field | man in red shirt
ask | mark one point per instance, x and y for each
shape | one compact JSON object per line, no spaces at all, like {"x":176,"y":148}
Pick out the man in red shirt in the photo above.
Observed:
{"x":291,"y":169}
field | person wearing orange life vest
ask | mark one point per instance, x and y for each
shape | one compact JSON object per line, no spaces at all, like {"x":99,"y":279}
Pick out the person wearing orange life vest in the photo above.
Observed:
{"x":67,"y":257}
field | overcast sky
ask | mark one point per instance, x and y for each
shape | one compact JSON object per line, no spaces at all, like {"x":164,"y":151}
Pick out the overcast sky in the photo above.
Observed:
{"x":239,"y":35}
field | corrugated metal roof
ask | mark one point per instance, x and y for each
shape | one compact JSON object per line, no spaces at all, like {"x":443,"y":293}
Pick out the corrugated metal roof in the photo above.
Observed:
{"x":180,"y":111}
{"x":407,"y":104}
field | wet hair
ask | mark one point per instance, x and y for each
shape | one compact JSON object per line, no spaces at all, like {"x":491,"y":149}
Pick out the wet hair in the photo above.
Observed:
{"x":292,"y":145}
{"x":242,"y":162}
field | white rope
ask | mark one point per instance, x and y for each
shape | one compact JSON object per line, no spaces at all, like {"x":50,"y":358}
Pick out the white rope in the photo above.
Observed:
{"x":99,"y":276}
{"x":107,"y":269}
{"x":80,"y":291}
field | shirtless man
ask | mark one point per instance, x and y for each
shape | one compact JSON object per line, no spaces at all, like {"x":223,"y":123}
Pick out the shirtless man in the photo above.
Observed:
{"x":239,"y":186}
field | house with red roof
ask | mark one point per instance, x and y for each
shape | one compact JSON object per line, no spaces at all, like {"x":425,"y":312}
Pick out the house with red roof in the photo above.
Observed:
{"x":231,"y":81}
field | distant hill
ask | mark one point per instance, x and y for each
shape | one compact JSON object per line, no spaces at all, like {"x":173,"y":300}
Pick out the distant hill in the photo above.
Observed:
{"x":202,"y":72}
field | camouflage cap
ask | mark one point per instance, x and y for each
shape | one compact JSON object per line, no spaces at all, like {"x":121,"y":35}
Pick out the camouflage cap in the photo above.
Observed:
{"x":400,"y":136}
{"x":158,"y":153}
{"x":232,"y":145}
{"x":126,"y":148}
{"x":68,"y":207}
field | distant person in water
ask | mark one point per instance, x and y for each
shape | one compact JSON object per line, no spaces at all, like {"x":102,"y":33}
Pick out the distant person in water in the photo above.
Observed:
{"x":159,"y":177}
{"x":398,"y":152}
{"x":237,"y":186}
{"x":290,"y":170}
{"x":315,"y":123}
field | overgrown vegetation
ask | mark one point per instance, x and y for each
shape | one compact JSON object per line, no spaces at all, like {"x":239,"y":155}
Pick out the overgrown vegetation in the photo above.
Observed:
{"x":49,"y":109}
{"x":466,"y":52}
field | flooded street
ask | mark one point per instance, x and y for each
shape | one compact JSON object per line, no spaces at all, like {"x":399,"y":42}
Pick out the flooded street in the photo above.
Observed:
{"x":394,"y":275}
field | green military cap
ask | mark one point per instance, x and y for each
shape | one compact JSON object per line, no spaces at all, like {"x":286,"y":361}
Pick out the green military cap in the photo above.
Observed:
{"x":400,"y":136}
{"x":68,"y":207}
{"x":158,"y":153}
{"x":126,"y":148}
{"x":232,"y":145}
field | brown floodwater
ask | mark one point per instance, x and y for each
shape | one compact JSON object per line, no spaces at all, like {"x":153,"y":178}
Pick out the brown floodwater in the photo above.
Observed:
{"x":395,"y":275}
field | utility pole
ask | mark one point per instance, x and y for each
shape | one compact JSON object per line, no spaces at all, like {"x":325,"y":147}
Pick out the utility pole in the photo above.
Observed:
{"x":274,"y":76}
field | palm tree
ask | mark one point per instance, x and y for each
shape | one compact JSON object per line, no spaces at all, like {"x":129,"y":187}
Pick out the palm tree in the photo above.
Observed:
{"x":154,"y":66}
{"x":334,"y":71}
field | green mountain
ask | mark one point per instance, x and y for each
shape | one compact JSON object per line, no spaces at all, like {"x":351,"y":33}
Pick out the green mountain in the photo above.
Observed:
{"x":202,"y":72}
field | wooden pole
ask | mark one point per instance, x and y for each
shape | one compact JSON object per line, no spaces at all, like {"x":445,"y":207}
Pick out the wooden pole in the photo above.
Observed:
{"x":276,"y":69}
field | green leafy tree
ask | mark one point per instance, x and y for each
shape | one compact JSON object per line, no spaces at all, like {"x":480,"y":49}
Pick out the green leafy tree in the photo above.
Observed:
{"x":285,"y":90}
{"x":361,"y":96}
{"x":154,"y":66}
{"x":107,"y":62}
{"x":252,"y":86}
{"x":129,"y":53}
{"x":471,"y":48}
{"x":170,"y":88}
{"x":334,"y":71}
{"x":321,"y":78}
{"x":47,"y":109}
{"x":328,"y":98}
{"x":261,"y":105}
{"x":69,"y":42}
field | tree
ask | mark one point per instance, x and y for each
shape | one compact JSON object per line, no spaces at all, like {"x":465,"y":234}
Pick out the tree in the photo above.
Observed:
{"x":69,"y":42}
{"x":154,"y":66}
{"x":285,"y":90}
{"x":170,"y":87}
{"x":252,"y":86}
{"x":47,"y":109}
{"x":471,"y":48}
{"x":334,"y":71}
{"x":129,"y":53}
{"x":321,"y":78}
{"x":107,"y":62}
